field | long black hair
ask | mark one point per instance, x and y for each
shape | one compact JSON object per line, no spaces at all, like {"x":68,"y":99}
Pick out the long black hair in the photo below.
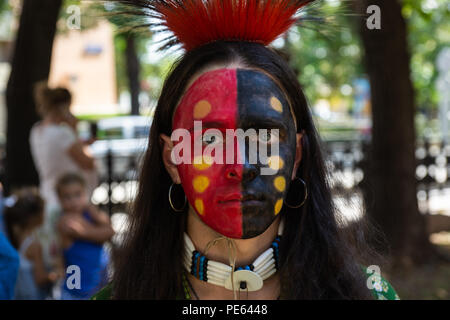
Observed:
{"x":26,"y":211}
{"x":316,"y":259}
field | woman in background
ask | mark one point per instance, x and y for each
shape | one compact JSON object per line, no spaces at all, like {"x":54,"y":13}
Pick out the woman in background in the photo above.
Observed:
{"x":56,"y":149}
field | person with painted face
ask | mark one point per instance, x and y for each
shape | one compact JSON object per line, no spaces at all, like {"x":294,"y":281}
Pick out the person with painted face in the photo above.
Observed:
{"x":233,"y":199}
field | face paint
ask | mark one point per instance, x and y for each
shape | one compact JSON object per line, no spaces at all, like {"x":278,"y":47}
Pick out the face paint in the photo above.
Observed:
{"x":235,"y":199}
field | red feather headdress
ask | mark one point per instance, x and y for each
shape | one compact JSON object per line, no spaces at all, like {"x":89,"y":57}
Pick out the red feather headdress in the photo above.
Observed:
{"x":197,"y":22}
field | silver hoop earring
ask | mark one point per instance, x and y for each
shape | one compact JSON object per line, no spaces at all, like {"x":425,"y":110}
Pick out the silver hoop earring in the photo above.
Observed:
{"x":304,"y":199}
{"x":171,"y":203}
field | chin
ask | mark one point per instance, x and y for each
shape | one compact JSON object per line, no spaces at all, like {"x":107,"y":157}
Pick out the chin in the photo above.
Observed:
{"x":256,"y":221}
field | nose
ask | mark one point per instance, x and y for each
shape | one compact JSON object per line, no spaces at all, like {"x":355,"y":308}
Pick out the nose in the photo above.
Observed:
{"x":249,"y":155}
{"x":233,"y":172}
{"x":249,"y":171}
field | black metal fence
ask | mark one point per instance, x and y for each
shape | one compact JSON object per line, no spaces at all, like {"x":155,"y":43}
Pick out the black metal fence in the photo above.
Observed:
{"x":345,"y":160}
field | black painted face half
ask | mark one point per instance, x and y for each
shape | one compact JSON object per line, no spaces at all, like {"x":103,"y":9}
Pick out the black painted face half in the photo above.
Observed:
{"x":262,"y":105}
{"x":242,"y":197}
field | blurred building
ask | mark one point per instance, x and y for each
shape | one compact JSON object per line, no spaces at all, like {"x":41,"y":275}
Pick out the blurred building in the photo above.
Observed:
{"x":84,"y":62}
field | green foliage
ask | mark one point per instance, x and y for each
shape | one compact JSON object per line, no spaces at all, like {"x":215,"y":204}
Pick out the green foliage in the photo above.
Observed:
{"x":326,"y":64}
{"x":429,"y":32}
{"x":4,"y":4}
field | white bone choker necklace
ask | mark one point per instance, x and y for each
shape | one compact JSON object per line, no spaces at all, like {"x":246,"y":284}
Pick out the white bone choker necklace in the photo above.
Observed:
{"x":249,"y":277}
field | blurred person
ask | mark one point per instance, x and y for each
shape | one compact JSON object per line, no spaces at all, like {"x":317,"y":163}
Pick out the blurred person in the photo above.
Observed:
{"x":9,"y":267}
{"x":2,"y":205}
{"x":23,"y":216}
{"x":9,"y":258}
{"x":83,"y":230}
{"x":56,"y":149}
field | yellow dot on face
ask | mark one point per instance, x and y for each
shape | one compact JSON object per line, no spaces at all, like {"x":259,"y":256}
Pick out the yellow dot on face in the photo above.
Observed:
{"x":202,"y":163}
{"x":280,"y":183}
{"x":200,"y":183}
{"x":276,"y":104}
{"x":278,"y":206}
{"x":199,"y":206}
{"x":275,"y":163}
{"x":202,"y":109}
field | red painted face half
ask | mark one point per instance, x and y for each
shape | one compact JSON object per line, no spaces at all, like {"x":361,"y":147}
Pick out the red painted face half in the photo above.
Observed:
{"x":222,"y":183}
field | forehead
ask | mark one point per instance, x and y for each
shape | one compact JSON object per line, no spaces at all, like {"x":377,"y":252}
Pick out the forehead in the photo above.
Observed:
{"x":218,"y":95}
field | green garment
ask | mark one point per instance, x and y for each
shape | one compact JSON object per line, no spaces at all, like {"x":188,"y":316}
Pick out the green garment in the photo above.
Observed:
{"x":381,"y":289}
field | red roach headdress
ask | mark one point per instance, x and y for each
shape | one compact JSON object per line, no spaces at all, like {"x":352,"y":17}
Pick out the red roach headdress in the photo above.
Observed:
{"x":198,"y":22}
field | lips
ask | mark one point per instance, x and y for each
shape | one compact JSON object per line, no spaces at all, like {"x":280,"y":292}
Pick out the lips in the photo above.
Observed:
{"x":233,"y":197}
{"x":252,"y":197}
{"x":251,"y":200}
{"x":245,"y":199}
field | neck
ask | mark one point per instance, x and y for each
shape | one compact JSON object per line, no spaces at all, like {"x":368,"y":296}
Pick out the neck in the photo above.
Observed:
{"x":51,"y":120}
{"x":247,"y":250}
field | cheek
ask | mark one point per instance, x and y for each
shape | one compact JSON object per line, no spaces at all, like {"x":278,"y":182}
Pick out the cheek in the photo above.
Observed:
{"x":205,"y":186}
{"x":200,"y":182}
{"x":65,"y":201}
{"x":276,"y":185}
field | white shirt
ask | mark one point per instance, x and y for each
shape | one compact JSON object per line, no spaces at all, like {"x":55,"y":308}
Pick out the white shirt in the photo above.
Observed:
{"x":49,"y":148}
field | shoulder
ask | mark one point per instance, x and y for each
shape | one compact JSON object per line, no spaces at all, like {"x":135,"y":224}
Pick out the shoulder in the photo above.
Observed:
{"x":35,"y":127}
{"x":58,"y":132}
{"x":380,"y":288}
{"x":62,"y":221}
{"x":105,"y":293}
{"x":34,"y":251}
{"x":35,"y":131}
{"x":64,"y":129}
{"x":99,"y":216}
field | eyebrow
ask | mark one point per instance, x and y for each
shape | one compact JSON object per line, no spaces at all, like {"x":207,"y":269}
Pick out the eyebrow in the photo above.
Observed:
{"x":213,"y":124}
{"x":210,"y":125}
{"x":267,"y":123}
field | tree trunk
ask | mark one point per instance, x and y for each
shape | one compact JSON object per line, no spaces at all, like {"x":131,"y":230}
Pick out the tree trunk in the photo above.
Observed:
{"x":133,"y":70}
{"x":391,"y":200}
{"x":30,"y":64}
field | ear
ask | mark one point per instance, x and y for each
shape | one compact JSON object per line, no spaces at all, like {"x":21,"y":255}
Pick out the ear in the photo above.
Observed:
{"x":167,"y":146}
{"x":298,"y":153}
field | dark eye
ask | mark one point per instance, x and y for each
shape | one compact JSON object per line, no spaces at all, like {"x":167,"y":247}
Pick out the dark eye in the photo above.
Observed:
{"x":265,"y":136}
{"x":269,"y":136}
{"x":211,"y":138}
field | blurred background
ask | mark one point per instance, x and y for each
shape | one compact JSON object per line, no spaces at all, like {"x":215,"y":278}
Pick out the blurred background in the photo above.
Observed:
{"x":380,"y":99}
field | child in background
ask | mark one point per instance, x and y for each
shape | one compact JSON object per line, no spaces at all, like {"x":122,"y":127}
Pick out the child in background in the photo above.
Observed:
{"x":23,"y":216}
{"x":83,"y":229}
